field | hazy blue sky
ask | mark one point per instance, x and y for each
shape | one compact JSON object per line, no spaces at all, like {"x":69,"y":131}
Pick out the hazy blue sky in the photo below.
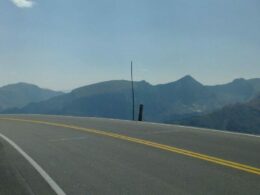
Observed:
{"x":62,"y":44}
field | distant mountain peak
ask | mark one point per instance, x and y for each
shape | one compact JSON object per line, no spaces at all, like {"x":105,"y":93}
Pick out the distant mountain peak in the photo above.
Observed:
{"x":239,"y":80}
{"x":188,"y":77}
{"x":188,"y":80}
{"x":21,"y":94}
{"x":19,"y":84}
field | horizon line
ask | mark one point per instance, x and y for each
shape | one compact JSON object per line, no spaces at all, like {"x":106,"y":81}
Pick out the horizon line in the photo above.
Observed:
{"x":68,"y":90}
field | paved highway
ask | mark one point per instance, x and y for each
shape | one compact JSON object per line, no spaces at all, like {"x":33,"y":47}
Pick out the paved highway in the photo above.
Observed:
{"x":103,"y":156}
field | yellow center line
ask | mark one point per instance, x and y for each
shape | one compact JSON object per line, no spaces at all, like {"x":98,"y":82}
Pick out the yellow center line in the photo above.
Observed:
{"x":189,"y":153}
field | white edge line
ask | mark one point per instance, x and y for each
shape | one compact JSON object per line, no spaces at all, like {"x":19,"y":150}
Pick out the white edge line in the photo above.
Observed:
{"x":40,"y":170}
{"x":218,"y":131}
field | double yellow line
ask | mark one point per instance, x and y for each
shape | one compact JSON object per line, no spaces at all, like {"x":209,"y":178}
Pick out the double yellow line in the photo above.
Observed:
{"x":196,"y":155}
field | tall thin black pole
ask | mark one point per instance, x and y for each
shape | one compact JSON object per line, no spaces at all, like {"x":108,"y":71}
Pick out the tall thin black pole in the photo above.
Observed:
{"x":133,"y":92}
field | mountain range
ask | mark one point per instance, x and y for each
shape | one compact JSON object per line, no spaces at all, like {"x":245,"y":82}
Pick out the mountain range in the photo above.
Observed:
{"x":239,"y":117}
{"x":20,"y":94}
{"x":183,"y":98}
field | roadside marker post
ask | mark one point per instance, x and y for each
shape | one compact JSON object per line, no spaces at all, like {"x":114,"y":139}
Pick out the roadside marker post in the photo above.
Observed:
{"x":141,"y":110}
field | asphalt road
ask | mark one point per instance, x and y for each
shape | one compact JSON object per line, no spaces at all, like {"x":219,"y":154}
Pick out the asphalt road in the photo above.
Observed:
{"x":102,"y":156}
{"x":17,"y":176}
